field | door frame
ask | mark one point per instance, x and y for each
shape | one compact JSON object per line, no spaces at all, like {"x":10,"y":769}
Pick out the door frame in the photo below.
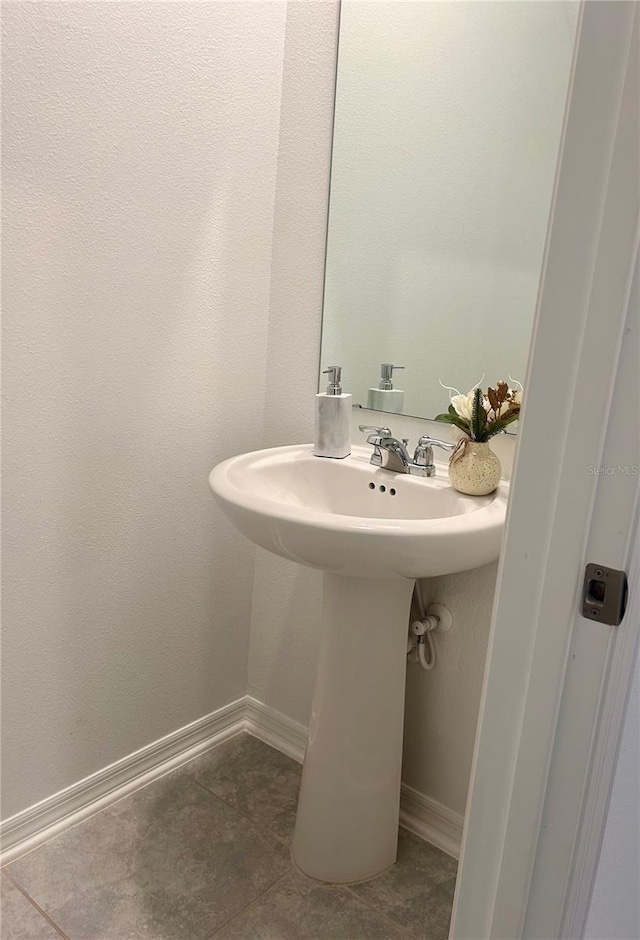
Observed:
{"x":624,"y":657}
{"x":582,"y":304}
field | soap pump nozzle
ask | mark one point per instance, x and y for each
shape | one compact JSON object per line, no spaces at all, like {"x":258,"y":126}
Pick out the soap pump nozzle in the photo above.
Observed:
{"x":386,"y":376}
{"x":334,"y":387}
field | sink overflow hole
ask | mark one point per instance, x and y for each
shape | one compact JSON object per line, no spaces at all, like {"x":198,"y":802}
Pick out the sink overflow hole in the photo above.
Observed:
{"x":383,"y":489}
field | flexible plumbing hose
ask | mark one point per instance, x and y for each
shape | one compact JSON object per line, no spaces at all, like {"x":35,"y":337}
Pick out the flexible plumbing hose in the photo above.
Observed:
{"x":427,"y":662}
{"x":424,"y":645}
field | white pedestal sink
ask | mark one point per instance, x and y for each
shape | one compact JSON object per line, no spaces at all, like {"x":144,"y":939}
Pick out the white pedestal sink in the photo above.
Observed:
{"x":373,"y":533}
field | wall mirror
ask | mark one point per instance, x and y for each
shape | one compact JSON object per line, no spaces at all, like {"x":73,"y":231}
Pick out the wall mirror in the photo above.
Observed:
{"x":447,"y":131}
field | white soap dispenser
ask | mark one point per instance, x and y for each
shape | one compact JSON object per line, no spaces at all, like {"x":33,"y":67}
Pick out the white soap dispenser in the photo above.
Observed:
{"x":333,"y":418}
{"x":385,"y":397}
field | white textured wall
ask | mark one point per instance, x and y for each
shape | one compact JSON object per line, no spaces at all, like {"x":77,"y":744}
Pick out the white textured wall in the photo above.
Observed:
{"x":142,"y":255}
{"x":139,"y":161}
{"x":441,"y":711}
{"x":447,"y":133}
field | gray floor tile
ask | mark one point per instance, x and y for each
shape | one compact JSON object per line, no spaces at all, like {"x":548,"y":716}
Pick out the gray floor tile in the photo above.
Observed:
{"x":416,"y":892}
{"x":19,"y":920}
{"x":436,"y":916}
{"x":298,"y":909}
{"x":176,"y":862}
{"x":169,"y":862}
{"x":257,"y":780}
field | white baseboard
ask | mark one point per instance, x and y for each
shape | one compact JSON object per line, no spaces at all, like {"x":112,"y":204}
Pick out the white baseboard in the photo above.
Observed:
{"x":431,"y":821}
{"x":274,"y":728}
{"x":35,"y":825}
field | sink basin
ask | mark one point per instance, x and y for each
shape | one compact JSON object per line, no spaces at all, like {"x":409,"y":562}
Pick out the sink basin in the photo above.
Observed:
{"x":350,"y":518}
{"x":372,"y":533}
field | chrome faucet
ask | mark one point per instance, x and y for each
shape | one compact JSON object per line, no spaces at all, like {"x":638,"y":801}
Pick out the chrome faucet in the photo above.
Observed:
{"x":388,"y":452}
{"x":423,"y":457}
{"x":391,"y":454}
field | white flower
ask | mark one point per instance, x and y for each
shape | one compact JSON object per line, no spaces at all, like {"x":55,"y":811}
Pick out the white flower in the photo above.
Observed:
{"x":463,"y":404}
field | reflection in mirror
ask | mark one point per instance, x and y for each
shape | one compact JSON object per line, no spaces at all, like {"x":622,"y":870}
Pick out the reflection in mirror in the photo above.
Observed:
{"x":447,"y":131}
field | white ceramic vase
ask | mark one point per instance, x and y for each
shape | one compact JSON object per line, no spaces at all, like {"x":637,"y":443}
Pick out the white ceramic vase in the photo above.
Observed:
{"x":475,"y":469}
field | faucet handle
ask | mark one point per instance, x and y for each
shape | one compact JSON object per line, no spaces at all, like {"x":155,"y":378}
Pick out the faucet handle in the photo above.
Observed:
{"x":377,"y":434}
{"x":424,"y":450}
{"x":426,"y":441}
{"x":385,"y":432}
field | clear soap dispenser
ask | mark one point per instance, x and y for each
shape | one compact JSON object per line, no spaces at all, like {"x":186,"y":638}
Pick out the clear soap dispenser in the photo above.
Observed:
{"x":385,"y":397}
{"x":333,"y":418}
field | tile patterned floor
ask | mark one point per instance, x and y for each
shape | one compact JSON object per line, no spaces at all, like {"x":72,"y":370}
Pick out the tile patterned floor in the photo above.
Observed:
{"x":204,"y":852}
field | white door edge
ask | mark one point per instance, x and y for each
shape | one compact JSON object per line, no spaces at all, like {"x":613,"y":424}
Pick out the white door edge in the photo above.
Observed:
{"x":594,"y":813}
{"x":568,"y":394}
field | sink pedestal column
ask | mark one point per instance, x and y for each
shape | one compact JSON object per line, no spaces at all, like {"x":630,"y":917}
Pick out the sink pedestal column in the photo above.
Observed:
{"x":347,"y":822}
